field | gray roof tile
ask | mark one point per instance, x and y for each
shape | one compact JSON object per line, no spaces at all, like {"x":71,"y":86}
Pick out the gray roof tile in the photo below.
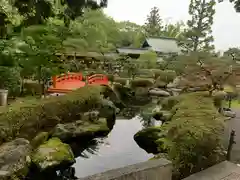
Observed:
{"x":163,"y":44}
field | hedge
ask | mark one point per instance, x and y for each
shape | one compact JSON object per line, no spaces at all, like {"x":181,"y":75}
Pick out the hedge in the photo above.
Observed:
{"x":142,"y":82}
{"x":122,"y":81}
{"x":28,"y":118}
{"x":166,"y":76}
{"x":193,"y":136}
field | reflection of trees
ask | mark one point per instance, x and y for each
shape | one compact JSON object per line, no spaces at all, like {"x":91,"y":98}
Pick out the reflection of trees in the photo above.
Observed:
{"x":67,"y":174}
{"x":147,"y":120}
{"x":92,"y":148}
{"x":84,"y":148}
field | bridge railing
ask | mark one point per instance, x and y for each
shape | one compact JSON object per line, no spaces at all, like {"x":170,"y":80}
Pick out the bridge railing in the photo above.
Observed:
{"x":67,"y":76}
{"x":97,"y":78}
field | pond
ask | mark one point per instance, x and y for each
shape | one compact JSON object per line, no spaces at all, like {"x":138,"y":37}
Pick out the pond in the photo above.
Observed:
{"x":118,"y":149}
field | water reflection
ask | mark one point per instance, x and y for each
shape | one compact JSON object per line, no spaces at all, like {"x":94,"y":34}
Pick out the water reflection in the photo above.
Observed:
{"x":117,"y":150}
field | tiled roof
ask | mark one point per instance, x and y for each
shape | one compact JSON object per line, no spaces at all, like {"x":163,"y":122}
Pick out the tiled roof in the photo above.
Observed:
{"x":162,"y":44}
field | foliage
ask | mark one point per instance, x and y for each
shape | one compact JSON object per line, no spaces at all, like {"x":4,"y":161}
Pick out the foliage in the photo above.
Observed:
{"x":166,"y":76}
{"x":233,"y":53}
{"x":132,"y":67}
{"x":131,"y":34}
{"x":141,"y":82}
{"x":193,"y":136}
{"x":30,"y":117}
{"x":31,"y":88}
{"x":40,"y":46}
{"x":153,"y":25}
{"x":122,"y":81}
{"x":174,"y":30}
{"x":199,"y":27}
{"x":37,"y":12}
{"x":148,"y":60}
{"x":94,"y":31}
{"x":170,"y":102}
{"x":10,"y":80}
{"x":202,"y":69}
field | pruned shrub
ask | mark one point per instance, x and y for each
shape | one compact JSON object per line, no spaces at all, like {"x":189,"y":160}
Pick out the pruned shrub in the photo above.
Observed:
{"x":32,"y":88}
{"x":218,"y":98}
{"x":145,"y":73}
{"x":110,"y":77}
{"x":142,"y":83}
{"x":170,"y":102}
{"x":193,"y":136}
{"x":27,"y":118}
{"x":166,"y":76}
{"x":160,"y":84}
{"x":122,"y":81}
{"x":156,"y":73}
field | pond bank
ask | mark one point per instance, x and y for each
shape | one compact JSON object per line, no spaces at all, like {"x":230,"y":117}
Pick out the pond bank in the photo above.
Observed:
{"x":117,"y":150}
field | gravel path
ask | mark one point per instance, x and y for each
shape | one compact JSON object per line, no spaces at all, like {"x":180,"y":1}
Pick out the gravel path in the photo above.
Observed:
{"x":234,"y":124}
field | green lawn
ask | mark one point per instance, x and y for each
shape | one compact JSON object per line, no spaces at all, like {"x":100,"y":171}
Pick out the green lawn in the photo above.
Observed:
{"x":235,"y":104}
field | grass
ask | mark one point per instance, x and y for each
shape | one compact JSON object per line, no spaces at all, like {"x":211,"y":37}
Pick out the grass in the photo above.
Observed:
{"x":235,"y":104}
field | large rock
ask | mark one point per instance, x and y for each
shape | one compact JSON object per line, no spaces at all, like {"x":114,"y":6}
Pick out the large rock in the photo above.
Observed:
{"x":159,"y":92}
{"x":81,"y":129}
{"x":229,"y":113}
{"x":53,"y":154}
{"x":147,"y":139}
{"x":14,"y":159}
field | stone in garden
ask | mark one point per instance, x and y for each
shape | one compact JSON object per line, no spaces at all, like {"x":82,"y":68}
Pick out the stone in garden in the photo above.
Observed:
{"x":14,"y":159}
{"x":230,"y":114}
{"x":53,"y":154}
{"x":159,"y":92}
{"x":78,"y":129}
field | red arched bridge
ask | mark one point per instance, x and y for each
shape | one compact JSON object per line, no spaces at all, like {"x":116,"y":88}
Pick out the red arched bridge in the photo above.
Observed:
{"x":68,"y":82}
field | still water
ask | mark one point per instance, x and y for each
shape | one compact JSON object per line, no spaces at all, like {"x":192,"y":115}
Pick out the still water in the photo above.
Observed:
{"x":117,"y":150}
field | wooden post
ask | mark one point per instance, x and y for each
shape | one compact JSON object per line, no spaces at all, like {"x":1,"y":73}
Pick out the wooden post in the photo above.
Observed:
{"x":230,"y":145}
{"x":54,"y":79}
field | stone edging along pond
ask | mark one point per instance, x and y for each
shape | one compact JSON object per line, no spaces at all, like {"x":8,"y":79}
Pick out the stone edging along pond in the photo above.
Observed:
{"x":36,"y":132}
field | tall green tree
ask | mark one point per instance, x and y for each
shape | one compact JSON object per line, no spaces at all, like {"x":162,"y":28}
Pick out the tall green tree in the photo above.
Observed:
{"x":173,"y":30}
{"x":199,"y":30}
{"x":38,"y":11}
{"x":40,"y":45}
{"x":131,"y":34}
{"x":153,"y":25}
{"x":233,"y":53}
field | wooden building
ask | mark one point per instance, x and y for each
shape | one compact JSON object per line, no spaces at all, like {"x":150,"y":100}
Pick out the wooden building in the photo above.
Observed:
{"x":163,"y":46}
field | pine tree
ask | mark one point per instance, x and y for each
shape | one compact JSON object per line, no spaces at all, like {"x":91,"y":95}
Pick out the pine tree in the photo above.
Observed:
{"x":199,"y":26}
{"x":153,"y":25}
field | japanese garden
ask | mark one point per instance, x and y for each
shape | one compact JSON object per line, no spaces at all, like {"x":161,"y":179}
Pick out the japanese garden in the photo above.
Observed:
{"x":82,"y":93}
